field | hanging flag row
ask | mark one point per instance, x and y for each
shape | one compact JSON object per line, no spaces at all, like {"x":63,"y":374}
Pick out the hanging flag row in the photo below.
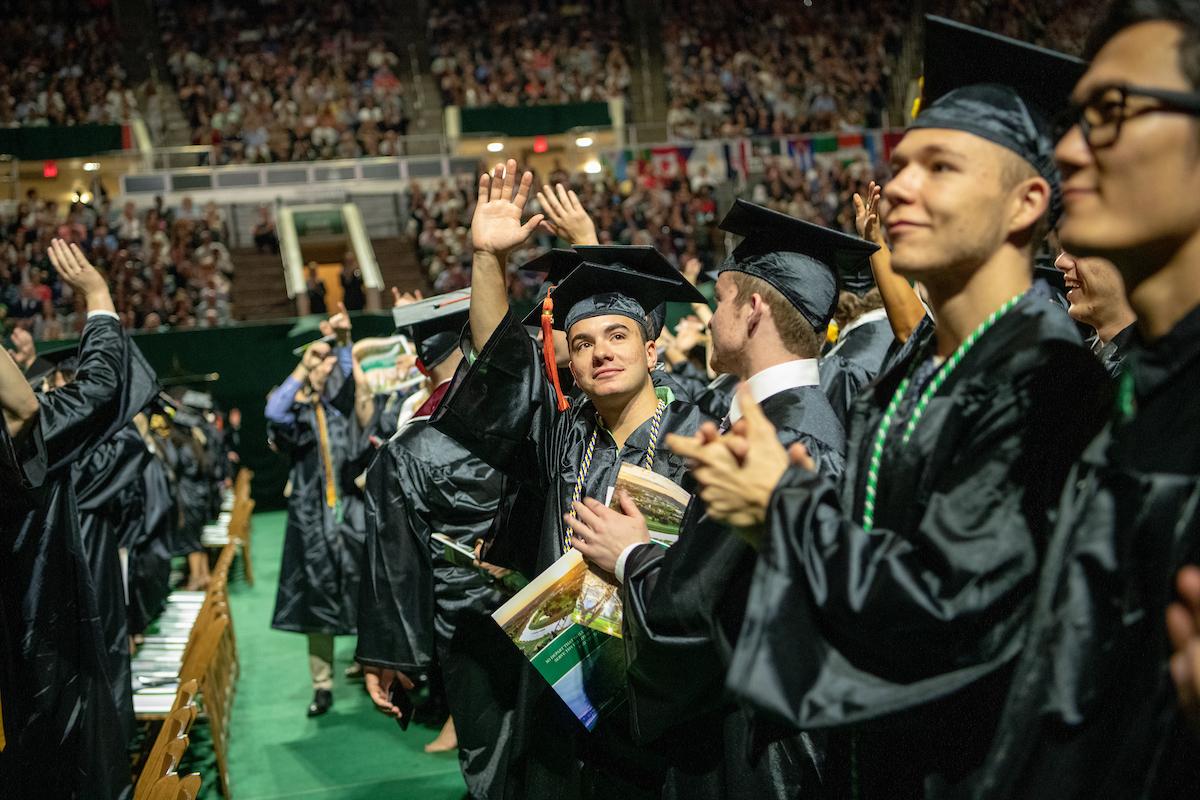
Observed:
{"x":739,"y":158}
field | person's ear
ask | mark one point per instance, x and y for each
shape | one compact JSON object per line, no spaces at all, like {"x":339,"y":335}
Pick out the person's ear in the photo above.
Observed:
{"x":757,"y":307}
{"x":1030,"y":202}
{"x":651,"y":353}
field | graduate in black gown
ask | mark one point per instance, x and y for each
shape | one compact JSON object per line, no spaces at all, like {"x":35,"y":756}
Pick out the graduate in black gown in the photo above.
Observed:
{"x":684,"y":606}
{"x":322,"y":549}
{"x":417,"y":611}
{"x":61,"y":727}
{"x":1092,"y":710}
{"x":891,"y":607}
{"x":505,"y":410}
{"x":863,"y":342}
{"x":1096,"y":298}
{"x":150,"y":556}
{"x":109,"y":492}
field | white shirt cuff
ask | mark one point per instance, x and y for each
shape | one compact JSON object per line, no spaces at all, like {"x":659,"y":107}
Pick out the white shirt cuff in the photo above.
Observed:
{"x":621,"y":559}
{"x":103,"y":312}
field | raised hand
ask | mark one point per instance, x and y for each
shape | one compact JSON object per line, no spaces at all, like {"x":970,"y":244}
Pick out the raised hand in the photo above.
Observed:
{"x":405,"y":298}
{"x":866,"y":214}
{"x":25,"y":353}
{"x":567,"y":218}
{"x":496,"y":227}
{"x":688,"y":333}
{"x":80,"y":275}
{"x":340,"y":325}
{"x":691,"y":270}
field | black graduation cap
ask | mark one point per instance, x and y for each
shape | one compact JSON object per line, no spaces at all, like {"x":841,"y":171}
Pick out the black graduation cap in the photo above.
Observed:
{"x":434,"y":324}
{"x":800,"y":259}
{"x":1000,"y":89}
{"x":594,"y":290}
{"x":62,"y":358}
{"x":556,"y":263}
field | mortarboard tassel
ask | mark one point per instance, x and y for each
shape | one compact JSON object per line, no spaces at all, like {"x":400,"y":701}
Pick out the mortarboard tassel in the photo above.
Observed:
{"x":548,"y":350}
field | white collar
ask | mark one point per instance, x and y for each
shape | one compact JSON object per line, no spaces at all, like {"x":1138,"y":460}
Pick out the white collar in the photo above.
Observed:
{"x":773,"y":380}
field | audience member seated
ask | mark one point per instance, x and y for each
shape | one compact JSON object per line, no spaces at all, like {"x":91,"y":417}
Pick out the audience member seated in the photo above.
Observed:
{"x":528,"y":52}
{"x":165,"y":269}
{"x":726,"y":77}
{"x":297,"y":81}
{"x":58,"y":66}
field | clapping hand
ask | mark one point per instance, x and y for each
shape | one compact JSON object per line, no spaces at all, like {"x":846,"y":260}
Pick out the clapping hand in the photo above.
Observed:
{"x":1183,"y":625}
{"x":566,"y":217}
{"x":866,"y":214}
{"x":496,"y":227}
{"x":75,"y":270}
{"x":738,"y":471}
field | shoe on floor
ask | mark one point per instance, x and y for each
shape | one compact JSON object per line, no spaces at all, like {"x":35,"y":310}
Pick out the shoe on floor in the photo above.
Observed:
{"x":354,"y":672}
{"x":322,"y":701}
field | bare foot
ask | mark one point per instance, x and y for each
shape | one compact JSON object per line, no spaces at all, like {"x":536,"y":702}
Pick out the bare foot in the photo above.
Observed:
{"x":446,"y":741}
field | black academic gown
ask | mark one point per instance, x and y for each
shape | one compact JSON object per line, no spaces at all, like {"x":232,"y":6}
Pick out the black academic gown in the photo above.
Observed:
{"x":60,"y":721}
{"x":194,"y":484}
{"x":150,"y":558}
{"x":902,"y":639}
{"x":323,"y":544}
{"x":683,"y":609}
{"x":716,"y":398}
{"x":1092,"y":711}
{"x":501,"y":408}
{"x":854,"y":362}
{"x":417,"y":610}
{"x":1112,"y":353}
{"x":108,"y":490}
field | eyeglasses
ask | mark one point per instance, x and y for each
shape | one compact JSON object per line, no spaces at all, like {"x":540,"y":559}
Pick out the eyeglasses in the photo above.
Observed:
{"x":1101,"y":116}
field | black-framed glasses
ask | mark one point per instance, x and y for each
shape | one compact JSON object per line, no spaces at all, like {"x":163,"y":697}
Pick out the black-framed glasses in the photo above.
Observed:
{"x":1101,"y":116}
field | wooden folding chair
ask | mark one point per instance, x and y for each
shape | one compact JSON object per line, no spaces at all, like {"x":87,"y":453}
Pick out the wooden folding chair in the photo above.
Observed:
{"x":163,"y":756}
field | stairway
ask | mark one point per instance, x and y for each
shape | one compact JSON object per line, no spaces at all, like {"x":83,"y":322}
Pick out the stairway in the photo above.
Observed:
{"x":259,"y":291}
{"x":398,"y":264}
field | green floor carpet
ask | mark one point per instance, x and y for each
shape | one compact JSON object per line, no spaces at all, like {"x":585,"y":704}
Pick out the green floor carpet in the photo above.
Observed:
{"x":276,"y":751}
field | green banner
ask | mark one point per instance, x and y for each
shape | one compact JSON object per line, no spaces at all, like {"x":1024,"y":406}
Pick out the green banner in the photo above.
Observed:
{"x":535,"y":120}
{"x":72,"y":141}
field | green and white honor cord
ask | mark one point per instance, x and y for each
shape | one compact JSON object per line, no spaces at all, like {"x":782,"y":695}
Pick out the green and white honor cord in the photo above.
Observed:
{"x":893,"y":408}
{"x":586,"y":464}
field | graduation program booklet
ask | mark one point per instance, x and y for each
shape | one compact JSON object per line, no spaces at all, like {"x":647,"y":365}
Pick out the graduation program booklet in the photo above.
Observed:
{"x":462,"y":556}
{"x":662,"y":502}
{"x":378,"y":362}
{"x":584,"y":666}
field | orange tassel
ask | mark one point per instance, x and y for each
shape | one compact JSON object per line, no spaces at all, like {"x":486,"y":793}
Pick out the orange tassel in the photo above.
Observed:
{"x":548,"y":351}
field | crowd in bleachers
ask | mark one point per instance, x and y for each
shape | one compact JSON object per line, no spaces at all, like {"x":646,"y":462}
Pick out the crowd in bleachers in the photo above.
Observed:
{"x":528,"y":52}
{"x":287,"y":81}
{"x":57,"y":66}
{"x":1058,"y":24}
{"x":761,"y":68}
{"x":166,"y":267}
{"x":678,"y":217}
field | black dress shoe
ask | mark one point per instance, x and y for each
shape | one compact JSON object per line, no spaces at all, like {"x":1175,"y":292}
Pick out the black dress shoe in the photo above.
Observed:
{"x":322,"y":701}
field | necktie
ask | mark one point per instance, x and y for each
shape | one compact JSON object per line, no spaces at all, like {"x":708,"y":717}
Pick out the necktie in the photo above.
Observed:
{"x":326,"y":456}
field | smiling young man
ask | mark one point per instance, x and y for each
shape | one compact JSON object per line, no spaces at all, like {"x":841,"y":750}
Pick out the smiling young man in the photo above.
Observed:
{"x":1097,"y":299}
{"x":684,"y":606}
{"x":891,"y":607}
{"x":508,"y":411}
{"x":1092,"y":711}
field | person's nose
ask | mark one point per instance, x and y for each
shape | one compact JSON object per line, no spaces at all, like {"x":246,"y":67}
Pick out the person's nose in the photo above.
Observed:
{"x":1065,"y":261}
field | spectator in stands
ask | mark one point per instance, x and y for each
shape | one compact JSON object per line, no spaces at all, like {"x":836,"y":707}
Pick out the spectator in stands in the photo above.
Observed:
{"x":265,"y":238}
{"x":352,"y":284}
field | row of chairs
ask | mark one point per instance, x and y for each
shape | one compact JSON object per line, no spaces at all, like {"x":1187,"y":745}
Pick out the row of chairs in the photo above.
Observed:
{"x":188,"y":670}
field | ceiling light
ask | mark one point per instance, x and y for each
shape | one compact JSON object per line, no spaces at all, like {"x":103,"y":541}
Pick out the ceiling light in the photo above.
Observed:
{"x":91,"y":166}
{"x":495,"y":147}
{"x":583,"y":141}
{"x":592,"y":167}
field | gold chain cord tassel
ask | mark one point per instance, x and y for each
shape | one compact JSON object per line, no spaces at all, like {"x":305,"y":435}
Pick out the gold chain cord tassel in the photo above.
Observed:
{"x":326,"y":456}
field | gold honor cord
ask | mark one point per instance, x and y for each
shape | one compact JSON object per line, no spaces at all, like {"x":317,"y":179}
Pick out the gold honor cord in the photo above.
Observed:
{"x":331,"y":496}
{"x":586,"y":464}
